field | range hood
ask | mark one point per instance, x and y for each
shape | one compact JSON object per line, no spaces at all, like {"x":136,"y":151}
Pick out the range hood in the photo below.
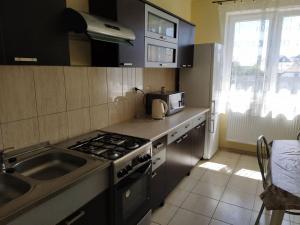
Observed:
{"x":97,"y":28}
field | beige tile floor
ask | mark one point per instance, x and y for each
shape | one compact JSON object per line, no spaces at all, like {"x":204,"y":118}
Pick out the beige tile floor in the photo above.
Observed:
{"x":224,"y":190}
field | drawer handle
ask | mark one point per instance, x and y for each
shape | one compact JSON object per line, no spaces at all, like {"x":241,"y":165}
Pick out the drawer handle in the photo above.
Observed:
{"x":70,"y":222}
{"x":154,"y":174}
{"x":160,"y":145}
{"x":198,"y":127}
{"x":174,"y":134}
{"x":126,"y":64}
{"x":184,"y":66}
{"x":185,"y":136}
{"x":179,"y":141}
{"x":25,"y":59}
{"x":187,"y":126}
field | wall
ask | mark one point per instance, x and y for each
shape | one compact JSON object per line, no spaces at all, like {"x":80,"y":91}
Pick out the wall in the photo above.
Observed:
{"x":40,"y":104}
{"x":206,"y":17}
{"x":182,"y":8}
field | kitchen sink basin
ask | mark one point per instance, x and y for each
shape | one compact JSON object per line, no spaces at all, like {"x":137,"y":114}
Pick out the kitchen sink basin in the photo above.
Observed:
{"x":11,"y":188}
{"x":50,"y":165}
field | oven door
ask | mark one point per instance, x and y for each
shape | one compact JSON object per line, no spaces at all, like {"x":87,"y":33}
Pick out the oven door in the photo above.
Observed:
{"x":132,"y":196}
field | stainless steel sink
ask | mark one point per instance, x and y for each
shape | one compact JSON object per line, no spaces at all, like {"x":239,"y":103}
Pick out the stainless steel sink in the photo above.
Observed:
{"x":11,"y":188}
{"x":50,"y":165}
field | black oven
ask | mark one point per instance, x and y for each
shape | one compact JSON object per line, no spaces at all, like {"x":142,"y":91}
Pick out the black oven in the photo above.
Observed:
{"x":132,"y":197}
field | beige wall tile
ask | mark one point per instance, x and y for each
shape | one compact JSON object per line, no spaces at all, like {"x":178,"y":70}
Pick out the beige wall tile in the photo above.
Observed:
{"x":21,"y":133}
{"x":50,"y":89}
{"x":139,"y":78}
{"x":97,"y":86}
{"x":81,"y":5}
{"x":128,"y":80}
{"x":99,"y":116}
{"x":77,"y":88}
{"x":116,"y":111}
{"x":129,"y":106}
{"x":114,"y":83}
{"x":53,"y":127}
{"x":154,"y":79}
{"x":79,"y":122}
{"x":17,"y":94}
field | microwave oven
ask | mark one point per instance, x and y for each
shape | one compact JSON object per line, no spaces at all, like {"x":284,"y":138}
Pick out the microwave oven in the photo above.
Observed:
{"x":174,"y":100}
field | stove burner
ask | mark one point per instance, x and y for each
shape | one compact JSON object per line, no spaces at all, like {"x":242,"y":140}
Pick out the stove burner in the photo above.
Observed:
{"x":131,"y":144}
{"x":121,"y":149}
{"x":96,"y":143}
{"x":112,"y":155}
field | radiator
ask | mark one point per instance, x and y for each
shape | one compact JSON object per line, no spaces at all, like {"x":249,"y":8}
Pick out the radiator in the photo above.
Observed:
{"x":245,"y":128}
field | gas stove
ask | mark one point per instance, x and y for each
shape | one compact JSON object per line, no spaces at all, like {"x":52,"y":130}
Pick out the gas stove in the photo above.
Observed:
{"x":126,"y":153}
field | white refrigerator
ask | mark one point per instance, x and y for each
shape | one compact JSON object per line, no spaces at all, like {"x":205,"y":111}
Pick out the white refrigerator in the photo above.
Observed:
{"x":202,"y":87}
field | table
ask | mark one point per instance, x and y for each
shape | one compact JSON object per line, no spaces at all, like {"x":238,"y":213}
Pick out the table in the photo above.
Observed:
{"x":285,"y":173}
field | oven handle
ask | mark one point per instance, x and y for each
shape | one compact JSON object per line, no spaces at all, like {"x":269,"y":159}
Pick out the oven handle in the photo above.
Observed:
{"x":136,"y":175}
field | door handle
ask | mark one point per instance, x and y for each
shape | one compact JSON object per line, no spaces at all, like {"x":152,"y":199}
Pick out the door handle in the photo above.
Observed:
{"x":213,"y":107}
{"x":212,"y":126}
{"x":77,"y":217}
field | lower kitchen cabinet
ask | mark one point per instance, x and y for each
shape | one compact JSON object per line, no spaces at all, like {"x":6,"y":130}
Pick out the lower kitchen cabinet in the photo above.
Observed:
{"x":158,"y":186}
{"x":179,"y":160}
{"x":198,"y":139}
{"x":95,"y":212}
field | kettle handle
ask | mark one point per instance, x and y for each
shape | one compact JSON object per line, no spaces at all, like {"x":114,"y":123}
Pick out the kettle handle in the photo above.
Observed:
{"x":166,"y":107}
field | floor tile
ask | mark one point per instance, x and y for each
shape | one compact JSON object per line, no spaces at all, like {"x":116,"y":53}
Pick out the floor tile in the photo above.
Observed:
{"x":232,"y":214}
{"x":209,"y":190}
{"x":243,"y":184}
{"x":197,"y":173}
{"x":185,"y":217}
{"x":177,"y":197}
{"x":257,"y":205}
{"x":217,"y":222}
{"x":163,"y":215}
{"x":266,"y":218}
{"x":215,"y":178}
{"x":235,"y":197}
{"x":187,"y":184}
{"x":200,"y":204}
{"x":152,"y":223}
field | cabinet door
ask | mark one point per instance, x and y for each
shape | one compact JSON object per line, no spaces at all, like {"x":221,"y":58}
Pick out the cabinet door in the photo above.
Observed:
{"x":160,"y":25}
{"x":95,"y":212}
{"x":178,"y":161}
{"x":32,"y":32}
{"x":186,"y":40}
{"x":158,"y":186}
{"x":198,"y":136}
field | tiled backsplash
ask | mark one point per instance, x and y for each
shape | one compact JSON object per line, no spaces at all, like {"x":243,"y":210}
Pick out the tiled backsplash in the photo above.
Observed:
{"x":53,"y":103}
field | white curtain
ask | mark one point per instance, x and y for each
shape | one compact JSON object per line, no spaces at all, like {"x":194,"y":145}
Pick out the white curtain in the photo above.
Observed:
{"x":261,"y":86}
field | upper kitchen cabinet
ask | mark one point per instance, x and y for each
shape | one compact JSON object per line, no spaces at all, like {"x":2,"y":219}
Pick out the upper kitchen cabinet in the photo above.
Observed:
{"x":130,"y":14}
{"x":31,"y":33}
{"x":186,"y":41}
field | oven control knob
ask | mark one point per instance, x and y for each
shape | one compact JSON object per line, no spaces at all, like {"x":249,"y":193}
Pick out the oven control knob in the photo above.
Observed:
{"x":121,"y":173}
{"x":141,"y":159}
{"x":148,"y":156}
{"x":129,"y":167}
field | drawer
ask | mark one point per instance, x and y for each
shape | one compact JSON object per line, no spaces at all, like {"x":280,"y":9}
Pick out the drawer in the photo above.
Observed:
{"x":199,"y":119}
{"x":175,"y":134}
{"x":158,"y":159}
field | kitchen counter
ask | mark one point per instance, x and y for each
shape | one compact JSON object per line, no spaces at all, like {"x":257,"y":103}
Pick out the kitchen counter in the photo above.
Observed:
{"x":154,"y":129}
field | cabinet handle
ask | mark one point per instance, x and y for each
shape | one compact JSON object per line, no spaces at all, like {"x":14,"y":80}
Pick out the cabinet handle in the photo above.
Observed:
{"x":198,"y":127}
{"x":213,"y":107}
{"x":212,"y":126}
{"x":179,"y":141}
{"x":25,"y":59}
{"x":189,"y":66}
{"x":187,"y":126}
{"x":126,"y":64}
{"x":70,"y":222}
{"x":154,"y":175}
{"x":183,"y":66}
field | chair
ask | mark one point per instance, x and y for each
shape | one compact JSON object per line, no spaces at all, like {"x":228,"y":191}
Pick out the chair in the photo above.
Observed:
{"x":263,"y":155}
{"x":298,"y":137}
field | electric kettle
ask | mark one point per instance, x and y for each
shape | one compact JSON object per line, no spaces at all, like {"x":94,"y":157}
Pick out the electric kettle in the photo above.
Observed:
{"x":159,"y":109}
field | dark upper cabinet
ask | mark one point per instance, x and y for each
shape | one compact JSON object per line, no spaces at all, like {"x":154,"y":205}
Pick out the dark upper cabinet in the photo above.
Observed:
{"x":130,"y":14}
{"x":31,"y":33}
{"x":186,"y":39}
